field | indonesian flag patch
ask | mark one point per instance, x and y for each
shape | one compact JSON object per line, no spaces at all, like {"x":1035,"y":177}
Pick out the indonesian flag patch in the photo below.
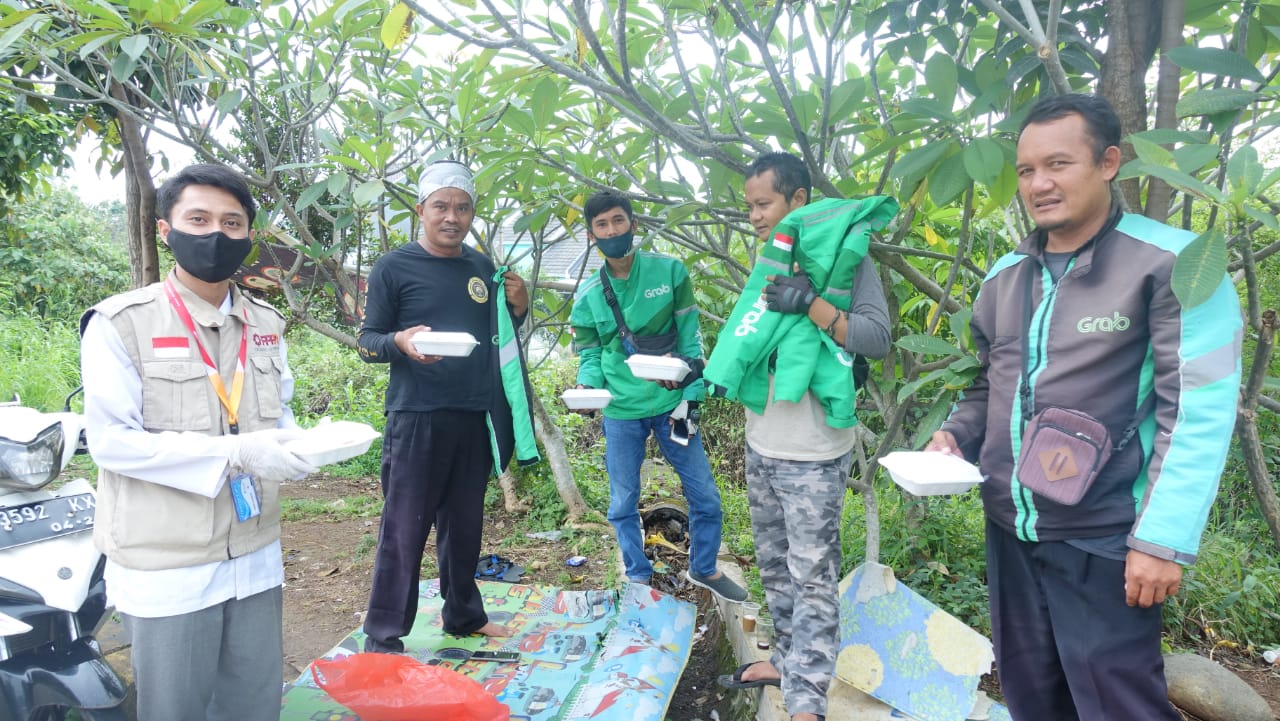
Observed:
{"x":783,"y":242}
{"x":171,"y":347}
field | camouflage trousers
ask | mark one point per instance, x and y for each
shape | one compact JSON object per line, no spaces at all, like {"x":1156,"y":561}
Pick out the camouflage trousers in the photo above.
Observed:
{"x":795,"y":519}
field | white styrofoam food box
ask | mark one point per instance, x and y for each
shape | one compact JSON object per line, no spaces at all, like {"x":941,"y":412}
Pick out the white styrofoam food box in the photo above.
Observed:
{"x":586,"y":399}
{"x":929,"y":473}
{"x":332,"y":442}
{"x":443,"y":343}
{"x":658,"y":368}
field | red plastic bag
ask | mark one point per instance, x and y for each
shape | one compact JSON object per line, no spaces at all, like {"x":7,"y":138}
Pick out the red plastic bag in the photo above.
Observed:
{"x":387,"y":687}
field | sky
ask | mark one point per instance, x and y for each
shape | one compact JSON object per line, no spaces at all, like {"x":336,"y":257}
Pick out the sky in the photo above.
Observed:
{"x":94,"y":188}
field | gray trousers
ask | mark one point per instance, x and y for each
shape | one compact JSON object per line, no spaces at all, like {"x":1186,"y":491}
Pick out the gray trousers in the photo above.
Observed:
{"x":222,"y":663}
{"x":795,"y":520}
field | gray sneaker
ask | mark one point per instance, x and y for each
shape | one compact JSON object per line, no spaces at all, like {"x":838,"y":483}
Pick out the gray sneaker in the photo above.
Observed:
{"x":724,"y":587}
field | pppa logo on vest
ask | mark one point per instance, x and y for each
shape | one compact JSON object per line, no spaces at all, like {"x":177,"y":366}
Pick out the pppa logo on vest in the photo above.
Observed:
{"x":663,"y":289}
{"x":266,"y":339}
{"x":1103,"y":324}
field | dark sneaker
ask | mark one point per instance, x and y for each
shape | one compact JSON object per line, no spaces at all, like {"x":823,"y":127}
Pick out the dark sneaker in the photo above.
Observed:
{"x":723,"y":586}
{"x":372,"y":646}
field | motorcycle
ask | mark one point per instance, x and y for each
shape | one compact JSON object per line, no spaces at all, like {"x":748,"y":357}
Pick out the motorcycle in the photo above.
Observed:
{"x":52,"y":595}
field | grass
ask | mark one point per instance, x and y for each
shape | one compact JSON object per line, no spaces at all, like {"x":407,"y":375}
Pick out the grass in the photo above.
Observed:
{"x":39,"y":361}
{"x":368,"y":542}
{"x":309,"y":509}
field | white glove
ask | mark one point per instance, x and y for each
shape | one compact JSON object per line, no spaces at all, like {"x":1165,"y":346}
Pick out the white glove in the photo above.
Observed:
{"x":262,"y":454}
{"x":684,"y":422}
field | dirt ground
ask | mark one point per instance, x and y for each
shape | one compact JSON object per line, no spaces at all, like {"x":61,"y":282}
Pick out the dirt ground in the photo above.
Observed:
{"x":329,"y":560}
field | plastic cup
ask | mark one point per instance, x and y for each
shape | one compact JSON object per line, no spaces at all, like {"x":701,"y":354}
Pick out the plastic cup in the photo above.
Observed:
{"x":750,"y":612}
{"x":764,"y":634}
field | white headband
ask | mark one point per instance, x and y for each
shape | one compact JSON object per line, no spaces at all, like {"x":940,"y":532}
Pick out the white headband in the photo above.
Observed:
{"x":446,"y":174}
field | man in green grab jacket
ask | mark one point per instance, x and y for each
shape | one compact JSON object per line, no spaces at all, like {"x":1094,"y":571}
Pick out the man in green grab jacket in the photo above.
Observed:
{"x":653,"y":297}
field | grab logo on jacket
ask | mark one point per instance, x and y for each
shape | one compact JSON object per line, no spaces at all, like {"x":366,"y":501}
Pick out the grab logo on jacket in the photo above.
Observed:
{"x":655,"y":292}
{"x":1103,"y":324}
{"x":751,"y":317}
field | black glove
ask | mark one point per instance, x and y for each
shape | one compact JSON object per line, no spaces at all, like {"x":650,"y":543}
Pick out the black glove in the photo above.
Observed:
{"x":696,"y":365}
{"x":790,"y":294}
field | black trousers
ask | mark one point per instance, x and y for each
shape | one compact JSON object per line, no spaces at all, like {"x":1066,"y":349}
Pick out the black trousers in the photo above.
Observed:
{"x":1067,"y":647}
{"x":435,"y":467}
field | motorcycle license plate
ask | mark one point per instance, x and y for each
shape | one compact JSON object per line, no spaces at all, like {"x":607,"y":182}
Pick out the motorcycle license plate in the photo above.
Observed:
{"x":32,"y":522}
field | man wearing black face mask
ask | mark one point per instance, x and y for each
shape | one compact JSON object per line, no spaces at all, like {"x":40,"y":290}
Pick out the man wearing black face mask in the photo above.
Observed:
{"x":653,"y":295}
{"x":186,"y":391}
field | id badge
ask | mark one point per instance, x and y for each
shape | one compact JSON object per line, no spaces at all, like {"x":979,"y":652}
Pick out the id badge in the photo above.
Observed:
{"x":244,"y":493}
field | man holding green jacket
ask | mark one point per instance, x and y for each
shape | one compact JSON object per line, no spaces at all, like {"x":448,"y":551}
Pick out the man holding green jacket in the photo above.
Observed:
{"x":653,"y":296}
{"x":813,"y":300}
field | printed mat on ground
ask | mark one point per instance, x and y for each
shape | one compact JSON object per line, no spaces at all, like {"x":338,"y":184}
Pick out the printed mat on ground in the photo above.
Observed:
{"x":600,"y":654}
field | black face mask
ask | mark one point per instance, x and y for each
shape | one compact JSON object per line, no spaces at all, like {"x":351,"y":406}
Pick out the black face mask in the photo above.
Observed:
{"x":619,"y":246}
{"x":212,"y":257}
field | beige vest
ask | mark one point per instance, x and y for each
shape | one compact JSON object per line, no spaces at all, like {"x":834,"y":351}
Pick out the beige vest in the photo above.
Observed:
{"x":148,"y":526}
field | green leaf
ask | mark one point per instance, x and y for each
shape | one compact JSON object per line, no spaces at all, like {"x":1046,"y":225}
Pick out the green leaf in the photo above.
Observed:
{"x":1176,"y":178}
{"x":1244,"y":171}
{"x":984,"y":160}
{"x":931,"y":421}
{"x":940,"y":78}
{"x":1199,"y":268}
{"x":1151,"y":153}
{"x":18,"y":31}
{"x":1268,"y":219}
{"x":948,"y":180}
{"x":337,"y":183}
{"x":928,"y":108}
{"x":1215,"y":101}
{"x":135,"y":45}
{"x":546,"y":95}
{"x":310,"y":195}
{"x":1169,"y":136}
{"x":927,"y":344}
{"x":86,"y":43}
{"x":123,"y":66}
{"x":920,"y":160}
{"x":1216,"y":61}
{"x":1005,"y":187}
{"x":368,"y":193}
{"x":396,"y":27}
{"x":907,"y":390}
{"x":1191,"y":158}
{"x":229,"y":102}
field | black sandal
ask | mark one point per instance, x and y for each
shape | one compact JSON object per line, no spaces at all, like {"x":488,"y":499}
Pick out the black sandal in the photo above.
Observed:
{"x":735,"y":681}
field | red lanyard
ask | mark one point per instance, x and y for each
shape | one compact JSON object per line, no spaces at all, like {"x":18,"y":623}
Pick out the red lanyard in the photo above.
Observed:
{"x":232,"y":404}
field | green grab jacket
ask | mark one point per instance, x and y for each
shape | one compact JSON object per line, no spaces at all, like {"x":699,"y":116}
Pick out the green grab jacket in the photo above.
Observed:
{"x":828,"y":239}
{"x":515,"y":386}
{"x":655,"y":294}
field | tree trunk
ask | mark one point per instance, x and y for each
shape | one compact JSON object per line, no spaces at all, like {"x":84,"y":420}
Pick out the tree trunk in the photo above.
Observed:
{"x":1132,"y":26}
{"x":553,"y":443}
{"x":140,"y":198}
{"x":1255,"y":461}
{"x":510,"y":499}
{"x":1159,"y":194}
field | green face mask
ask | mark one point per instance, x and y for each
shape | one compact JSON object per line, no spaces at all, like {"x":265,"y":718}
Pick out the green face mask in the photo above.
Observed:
{"x":619,"y":246}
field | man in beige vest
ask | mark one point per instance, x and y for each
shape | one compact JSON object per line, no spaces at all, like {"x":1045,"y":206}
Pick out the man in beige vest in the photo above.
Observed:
{"x":186,"y":389}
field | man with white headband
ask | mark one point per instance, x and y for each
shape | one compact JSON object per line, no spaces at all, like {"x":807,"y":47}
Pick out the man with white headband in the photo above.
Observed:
{"x":444,"y":415}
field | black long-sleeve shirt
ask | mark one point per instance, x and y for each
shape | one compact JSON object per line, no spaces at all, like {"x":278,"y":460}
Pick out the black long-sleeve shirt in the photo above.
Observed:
{"x":409,"y":287}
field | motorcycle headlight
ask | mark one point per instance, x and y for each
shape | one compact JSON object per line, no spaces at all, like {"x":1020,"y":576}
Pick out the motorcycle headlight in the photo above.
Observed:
{"x":31,"y":465}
